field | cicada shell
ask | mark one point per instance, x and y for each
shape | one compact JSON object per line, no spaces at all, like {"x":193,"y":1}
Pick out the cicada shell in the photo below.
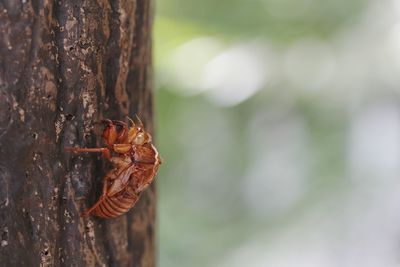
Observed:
{"x":135,"y":163}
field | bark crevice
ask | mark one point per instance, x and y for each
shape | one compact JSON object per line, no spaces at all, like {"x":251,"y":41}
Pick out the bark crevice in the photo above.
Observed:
{"x":63,"y":67}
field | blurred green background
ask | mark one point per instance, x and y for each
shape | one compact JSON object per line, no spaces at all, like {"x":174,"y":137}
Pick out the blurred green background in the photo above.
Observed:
{"x":279,"y":125}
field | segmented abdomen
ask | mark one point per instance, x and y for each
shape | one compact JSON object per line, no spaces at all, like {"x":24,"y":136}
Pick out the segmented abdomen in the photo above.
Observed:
{"x":114,"y":206}
{"x":122,"y":189}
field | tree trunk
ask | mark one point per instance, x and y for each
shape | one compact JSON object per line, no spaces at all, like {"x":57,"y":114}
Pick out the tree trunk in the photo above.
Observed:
{"x":65,"y":65}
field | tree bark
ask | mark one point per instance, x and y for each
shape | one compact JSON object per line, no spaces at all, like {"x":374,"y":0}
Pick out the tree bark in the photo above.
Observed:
{"x":65,"y":65}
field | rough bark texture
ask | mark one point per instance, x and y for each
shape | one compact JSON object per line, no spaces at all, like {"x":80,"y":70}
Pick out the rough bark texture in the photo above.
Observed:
{"x":65,"y":65}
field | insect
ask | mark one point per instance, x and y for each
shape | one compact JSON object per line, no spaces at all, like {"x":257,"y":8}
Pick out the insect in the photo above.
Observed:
{"x":135,"y":163}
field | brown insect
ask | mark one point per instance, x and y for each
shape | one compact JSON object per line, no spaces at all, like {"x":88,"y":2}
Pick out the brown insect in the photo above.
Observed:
{"x":135,"y":163}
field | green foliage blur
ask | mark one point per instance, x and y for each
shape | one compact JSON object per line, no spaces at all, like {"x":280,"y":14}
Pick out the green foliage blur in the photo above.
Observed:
{"x":266,"y":111}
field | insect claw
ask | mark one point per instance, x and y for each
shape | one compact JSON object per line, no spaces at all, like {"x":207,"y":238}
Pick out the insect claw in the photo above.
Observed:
{"x":140,"y":122}
{"x":106,"y":121}
{"x":133,"y":123}
{"x":117,"y":122}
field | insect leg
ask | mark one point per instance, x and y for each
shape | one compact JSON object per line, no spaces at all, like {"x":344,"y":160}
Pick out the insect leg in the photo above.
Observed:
{"x":105,"y":151}
{"x":110,"y":133}
{"x":117,"y":122}
{"x":122,"y":148}
{"x":119,"y":161}
{"x":122,"y":131}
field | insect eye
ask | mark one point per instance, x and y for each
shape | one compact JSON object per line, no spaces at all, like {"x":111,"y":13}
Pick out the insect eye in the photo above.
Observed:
{"x":139,"y":139}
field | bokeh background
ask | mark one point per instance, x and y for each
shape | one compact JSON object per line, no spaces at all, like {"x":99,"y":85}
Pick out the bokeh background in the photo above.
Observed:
{"x":279,"y":125}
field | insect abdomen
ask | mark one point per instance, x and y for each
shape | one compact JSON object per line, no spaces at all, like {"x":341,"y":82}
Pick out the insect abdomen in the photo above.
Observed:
{"x":114,"y":206}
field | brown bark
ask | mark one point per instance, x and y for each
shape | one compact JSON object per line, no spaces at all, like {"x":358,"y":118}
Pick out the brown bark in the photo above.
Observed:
{"x":65,"y":65}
